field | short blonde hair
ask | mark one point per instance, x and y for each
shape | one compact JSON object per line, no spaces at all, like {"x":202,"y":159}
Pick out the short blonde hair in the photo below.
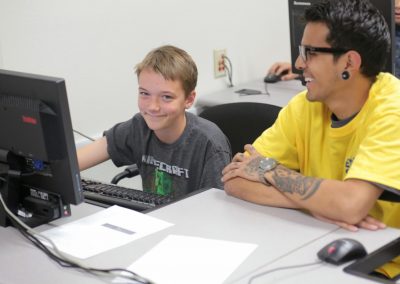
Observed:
{"x":173,"y":64}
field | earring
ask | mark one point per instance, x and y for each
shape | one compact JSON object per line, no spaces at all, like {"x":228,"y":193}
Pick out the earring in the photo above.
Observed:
{"x":345,"y":75}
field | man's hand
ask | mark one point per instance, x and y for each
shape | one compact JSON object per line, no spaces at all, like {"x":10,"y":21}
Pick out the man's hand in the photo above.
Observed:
{"x":368,"y":223}
{"x":282,"y":67}
{"x":244,"y":166}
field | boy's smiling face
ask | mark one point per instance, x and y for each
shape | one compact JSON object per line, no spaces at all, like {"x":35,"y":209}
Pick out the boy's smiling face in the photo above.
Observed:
{"x":162,"y":104}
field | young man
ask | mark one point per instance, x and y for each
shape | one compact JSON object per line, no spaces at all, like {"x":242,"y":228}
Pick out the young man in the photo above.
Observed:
{"x":176,"y":152}
{"x":335,"y":148}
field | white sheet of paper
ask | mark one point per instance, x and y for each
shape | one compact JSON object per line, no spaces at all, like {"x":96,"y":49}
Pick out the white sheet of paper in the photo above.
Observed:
{"x":102,"y":231}
{"x":183,"y":259}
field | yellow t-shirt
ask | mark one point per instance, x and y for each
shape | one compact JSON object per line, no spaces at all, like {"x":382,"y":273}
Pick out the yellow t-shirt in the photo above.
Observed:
{"x":366,"y":148}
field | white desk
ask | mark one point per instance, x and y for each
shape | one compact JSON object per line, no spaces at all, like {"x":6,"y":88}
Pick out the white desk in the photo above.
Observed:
{"x":279,"y":94}
{"x":283,"y":237}
{"x":322,"y":273}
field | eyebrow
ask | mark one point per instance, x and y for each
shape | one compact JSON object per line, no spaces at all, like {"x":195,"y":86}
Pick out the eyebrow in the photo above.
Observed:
{"x":161,"y":93}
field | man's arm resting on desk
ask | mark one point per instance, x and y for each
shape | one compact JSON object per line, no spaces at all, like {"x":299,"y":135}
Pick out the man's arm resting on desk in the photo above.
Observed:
{"x":343,"y":201}
{"x":257,"y":192}
{"x":264,"y":195}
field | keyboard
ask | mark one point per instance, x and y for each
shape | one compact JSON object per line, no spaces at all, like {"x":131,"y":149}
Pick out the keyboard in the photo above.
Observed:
{"x":104,"y":194}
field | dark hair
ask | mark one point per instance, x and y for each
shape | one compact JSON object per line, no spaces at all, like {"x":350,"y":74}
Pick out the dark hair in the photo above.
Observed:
{"x":172,"y":63}
{"x":355,"y":25}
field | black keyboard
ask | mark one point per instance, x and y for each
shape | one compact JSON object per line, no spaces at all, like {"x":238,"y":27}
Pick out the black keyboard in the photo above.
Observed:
{"x":110,"y":194}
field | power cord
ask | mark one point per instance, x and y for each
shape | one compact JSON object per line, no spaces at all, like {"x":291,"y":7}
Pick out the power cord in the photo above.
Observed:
{"x":64,"y":261}
{"x":229,"y":69}
{"x":83,"y":135}
{"x":283,"y":268}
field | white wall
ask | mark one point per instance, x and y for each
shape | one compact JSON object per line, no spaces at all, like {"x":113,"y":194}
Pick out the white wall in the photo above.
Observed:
{"x":95,"y":44}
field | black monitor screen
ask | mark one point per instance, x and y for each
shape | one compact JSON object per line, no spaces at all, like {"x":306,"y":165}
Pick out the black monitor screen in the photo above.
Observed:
{"x":297,"y":23}
{"x":38,"y":164}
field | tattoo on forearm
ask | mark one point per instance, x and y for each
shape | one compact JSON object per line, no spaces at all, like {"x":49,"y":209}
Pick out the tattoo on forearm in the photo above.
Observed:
{"x":289,"y":181}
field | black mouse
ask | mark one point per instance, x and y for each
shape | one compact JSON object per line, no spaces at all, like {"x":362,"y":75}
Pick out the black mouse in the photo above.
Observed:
{"x":341,"y":251}
{"x":273,"y":78}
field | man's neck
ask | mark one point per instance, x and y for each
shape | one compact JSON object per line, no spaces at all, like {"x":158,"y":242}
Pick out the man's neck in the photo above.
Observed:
{"x":351,"y":98}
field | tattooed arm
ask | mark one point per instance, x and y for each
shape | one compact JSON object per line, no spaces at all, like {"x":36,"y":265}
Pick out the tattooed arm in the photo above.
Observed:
{"x":257,"y":192}
{"x":343,"y":201}
{"x":253,"y":190}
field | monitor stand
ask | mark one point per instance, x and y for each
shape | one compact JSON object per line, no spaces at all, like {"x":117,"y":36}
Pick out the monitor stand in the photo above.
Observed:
{"x":365,"y":266}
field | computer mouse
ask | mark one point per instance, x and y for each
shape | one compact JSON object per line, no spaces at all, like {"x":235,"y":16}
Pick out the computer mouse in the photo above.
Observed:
{"x":341,"y":251}
{"x":273,"y":78}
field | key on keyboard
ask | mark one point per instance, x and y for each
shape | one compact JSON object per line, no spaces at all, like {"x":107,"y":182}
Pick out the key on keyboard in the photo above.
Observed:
{"x":110,"y":194}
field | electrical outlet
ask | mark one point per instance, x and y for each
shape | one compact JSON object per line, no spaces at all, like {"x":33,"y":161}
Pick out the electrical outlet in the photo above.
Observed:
{"x":219,"y":66}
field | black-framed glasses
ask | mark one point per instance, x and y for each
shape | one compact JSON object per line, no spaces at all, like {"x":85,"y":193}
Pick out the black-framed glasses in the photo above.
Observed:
{"x":304,"y":51}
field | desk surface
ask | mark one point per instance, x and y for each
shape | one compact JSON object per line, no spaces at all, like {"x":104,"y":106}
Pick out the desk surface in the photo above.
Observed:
{"x":283,"y":237}
{"x":279,"y":94}
{"x":323,"y":273}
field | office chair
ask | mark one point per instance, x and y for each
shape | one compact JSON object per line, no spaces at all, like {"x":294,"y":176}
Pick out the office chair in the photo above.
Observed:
{"x":241,"y":122}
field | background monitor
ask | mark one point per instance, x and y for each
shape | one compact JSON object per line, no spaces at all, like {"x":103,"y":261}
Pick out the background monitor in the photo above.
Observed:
{"x":297,"y":23}
{"x":39,"y":169}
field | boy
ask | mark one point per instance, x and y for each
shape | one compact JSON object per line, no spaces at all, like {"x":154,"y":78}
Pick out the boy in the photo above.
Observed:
{"x":176,"y":152}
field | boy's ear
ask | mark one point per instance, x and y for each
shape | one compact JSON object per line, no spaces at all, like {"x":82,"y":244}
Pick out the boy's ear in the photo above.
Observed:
{"x":190,"y":99}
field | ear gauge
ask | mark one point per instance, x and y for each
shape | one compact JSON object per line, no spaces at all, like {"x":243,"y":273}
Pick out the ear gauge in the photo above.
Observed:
{"x":345,"y":75}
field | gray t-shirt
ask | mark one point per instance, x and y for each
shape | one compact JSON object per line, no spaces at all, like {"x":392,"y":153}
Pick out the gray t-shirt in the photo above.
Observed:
{"x":194,"y":161}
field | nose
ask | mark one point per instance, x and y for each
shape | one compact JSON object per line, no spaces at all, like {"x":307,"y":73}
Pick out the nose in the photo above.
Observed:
{"x":299,"y":64}
{"x":154,"y":104}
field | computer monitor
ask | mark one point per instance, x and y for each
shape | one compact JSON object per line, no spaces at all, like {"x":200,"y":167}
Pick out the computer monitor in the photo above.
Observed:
{"x":39,"y":173}
{"x":297,"y":23}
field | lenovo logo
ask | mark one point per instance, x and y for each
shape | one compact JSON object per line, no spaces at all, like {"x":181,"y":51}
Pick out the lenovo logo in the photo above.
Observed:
{"x":29,"y":119}
{"x":299,"y":3}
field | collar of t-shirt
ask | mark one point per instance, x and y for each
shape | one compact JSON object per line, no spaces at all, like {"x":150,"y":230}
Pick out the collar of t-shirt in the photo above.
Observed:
{"x":336,"y":123}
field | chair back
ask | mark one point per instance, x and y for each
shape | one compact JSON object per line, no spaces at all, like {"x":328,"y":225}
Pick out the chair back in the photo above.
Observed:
{"x":242,"y":122}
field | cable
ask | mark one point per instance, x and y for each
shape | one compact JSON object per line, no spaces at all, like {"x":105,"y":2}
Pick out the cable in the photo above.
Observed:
{"x":266,"y":89}
{"x":128,"y":172}
{"x":283,"y":268}
{"x":55,"y":254}
{"x":83,"y":135}
{"x":228,"y":69}
{"x":61,"y":258}
{"x":229,"y":75}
